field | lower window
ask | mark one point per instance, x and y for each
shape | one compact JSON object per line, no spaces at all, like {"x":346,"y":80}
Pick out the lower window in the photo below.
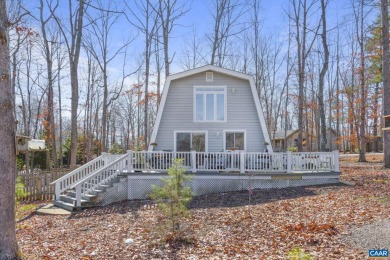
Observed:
{"x":190,"y":141}
{"x":234,"y":140}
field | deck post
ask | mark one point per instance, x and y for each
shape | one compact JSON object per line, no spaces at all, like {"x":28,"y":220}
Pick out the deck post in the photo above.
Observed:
{"x":289,"y":162}
{"x":78,"y":196}
{"x":336,"y":160}
{"x":193,"y":161}
{"x":129,"y":161}
{"x":242,"y":162}
{"x":57,"y":190}
{"x":105,"y":158}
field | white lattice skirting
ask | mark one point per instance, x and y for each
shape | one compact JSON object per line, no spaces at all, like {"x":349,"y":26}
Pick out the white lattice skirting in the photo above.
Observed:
{"x":140,"y":186}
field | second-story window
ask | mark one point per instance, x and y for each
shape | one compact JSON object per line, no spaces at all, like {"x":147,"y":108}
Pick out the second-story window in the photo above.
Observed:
{"x":210,"y":104}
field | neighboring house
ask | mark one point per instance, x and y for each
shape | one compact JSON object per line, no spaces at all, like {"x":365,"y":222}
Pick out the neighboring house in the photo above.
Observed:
{"x":210,"y":109}
{"x":309,"y":144}
{"x":279,"y":138}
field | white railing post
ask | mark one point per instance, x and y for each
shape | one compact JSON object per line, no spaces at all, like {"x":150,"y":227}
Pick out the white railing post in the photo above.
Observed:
{"x":129,"y":161}
{"x":193,"y":161}
{"x":289,"y":162}
{"x":336,"y":160}
{"x":242,"y":162}
{"x":57,"y":190}
{"x":105,"y":158}
{"x":78,"y":195}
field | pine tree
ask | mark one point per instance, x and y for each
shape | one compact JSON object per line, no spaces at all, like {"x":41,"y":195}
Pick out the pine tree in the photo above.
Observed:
{"x":173,"y":197}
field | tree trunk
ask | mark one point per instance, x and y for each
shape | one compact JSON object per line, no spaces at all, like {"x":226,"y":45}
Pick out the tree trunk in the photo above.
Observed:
{"x":386,"y":80}
{"x":324,"y":69}
{"x":61,"y":164}
{"x":74,"y":55}
{"x":8,"y":244}
{"x":104,"y":112}
{"x":375,"y":123}
{"x":362,"y":127}
{"x":50,"y":96}
{"x":338,"y":96}
{"x":74,"y":106}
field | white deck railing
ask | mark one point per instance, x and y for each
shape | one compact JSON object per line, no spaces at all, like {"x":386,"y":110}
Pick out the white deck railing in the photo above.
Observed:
{"x":103,"y":169}
{"x":238,"y":161}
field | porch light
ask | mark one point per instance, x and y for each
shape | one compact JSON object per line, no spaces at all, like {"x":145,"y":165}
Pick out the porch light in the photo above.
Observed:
{"x":233,"y":91}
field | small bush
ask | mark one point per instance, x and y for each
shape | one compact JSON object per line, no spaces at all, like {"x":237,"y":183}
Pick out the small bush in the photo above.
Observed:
{"x":292,"y":149}
{"x":172,"y":198}
{"x":19,"y":189}
{"x":298,"y":254}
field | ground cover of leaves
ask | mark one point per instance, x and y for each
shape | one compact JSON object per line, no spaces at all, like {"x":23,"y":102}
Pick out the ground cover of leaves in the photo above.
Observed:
{"x":316,"y":219}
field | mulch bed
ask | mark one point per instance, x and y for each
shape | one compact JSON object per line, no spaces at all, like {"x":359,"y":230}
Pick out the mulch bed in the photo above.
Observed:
{"x":266,"y":224}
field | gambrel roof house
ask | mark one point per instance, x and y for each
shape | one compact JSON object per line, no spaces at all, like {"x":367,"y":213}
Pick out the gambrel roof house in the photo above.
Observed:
{"x":210,"y":118}
{"x":210,"y":109}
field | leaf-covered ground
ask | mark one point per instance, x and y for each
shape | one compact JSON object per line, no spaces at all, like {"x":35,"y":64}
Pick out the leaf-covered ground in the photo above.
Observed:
{"x":316,"y":219}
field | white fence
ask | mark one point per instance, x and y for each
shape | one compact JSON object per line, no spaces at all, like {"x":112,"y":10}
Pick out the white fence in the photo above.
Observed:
{"x":237,"y":161}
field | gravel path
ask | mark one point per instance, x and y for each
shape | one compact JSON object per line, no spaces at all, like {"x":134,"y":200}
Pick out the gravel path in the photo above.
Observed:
{"x":371,"y":236}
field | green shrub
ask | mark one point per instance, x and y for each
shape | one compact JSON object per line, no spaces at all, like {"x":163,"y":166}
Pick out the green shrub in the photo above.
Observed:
{"x":117,"y":149}
{"x":293,"y":149}
{"x":298,"y":254}
{"x":172,"y":198}
{"x":19,"y":189}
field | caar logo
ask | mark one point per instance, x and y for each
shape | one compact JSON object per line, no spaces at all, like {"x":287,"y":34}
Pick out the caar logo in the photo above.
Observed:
{"x":378,"y":253}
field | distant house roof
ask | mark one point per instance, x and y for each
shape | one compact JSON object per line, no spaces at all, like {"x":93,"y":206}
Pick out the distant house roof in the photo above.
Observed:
{"x":279,"y":135}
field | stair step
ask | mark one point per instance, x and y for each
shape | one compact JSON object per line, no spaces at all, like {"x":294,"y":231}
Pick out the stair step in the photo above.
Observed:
{"x":115,"y":180}
{"x":96,"y":192}
{"x":107,"y":185}
{"x":71,"y":193}
{"x":89,"y":197}
{"x":71,"y":200}
{"x":64,"y":205}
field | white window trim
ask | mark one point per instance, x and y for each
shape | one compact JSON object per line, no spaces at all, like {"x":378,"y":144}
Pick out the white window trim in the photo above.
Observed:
{"x":215,"y":103}
{"x":235,"y":131}
{"x":191,"y":131}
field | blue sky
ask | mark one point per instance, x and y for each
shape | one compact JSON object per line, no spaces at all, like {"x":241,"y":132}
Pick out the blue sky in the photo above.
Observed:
{"x":275,"y":21}
{"x":199,"y":18}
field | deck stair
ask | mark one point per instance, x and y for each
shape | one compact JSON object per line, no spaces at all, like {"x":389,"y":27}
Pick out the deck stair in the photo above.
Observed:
{"x":85,"y":186}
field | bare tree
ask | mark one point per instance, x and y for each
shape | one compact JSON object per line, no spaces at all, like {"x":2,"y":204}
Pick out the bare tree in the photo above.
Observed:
{"x":98,"y":44}
{"x":49,"y":46}
{"x":146,"y":21}
{"x":301,"y":12}
{"x":324,"y":69}
{"x":8,"y":244}
{"x":360,"y":15}
{"x":226,"y":17}
{"x":386,"y":79}
{"x":72,"y":35}
{"x":192,"y":53}
{"x":168,"y":11}
{"x":61,"y":62}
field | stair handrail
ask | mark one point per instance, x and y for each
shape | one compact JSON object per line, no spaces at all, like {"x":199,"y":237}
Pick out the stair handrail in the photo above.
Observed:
{"x":67,"y":180}
{"x":77,"y":186}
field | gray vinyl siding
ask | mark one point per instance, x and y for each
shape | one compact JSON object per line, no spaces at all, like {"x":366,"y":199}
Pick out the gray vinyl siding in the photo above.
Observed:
{"x":178,"y":114}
